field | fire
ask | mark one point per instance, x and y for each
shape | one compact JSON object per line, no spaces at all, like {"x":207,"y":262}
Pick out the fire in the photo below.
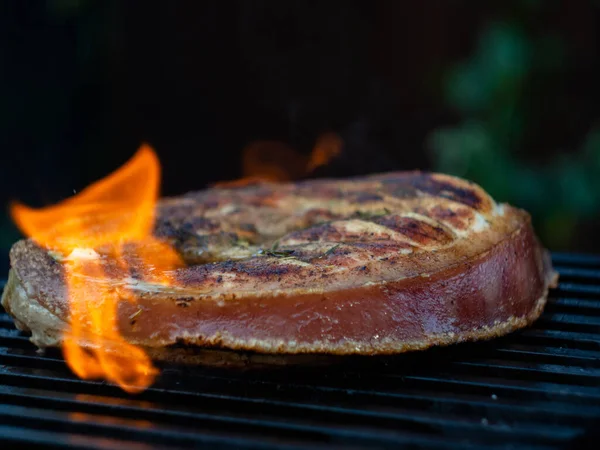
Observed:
{"x":275,"y":161}
{"x":327,"y":147}
{"x":106,"y":225}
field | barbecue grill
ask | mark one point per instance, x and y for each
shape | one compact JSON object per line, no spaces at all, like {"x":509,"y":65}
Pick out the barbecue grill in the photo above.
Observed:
{"x":537,"y":389}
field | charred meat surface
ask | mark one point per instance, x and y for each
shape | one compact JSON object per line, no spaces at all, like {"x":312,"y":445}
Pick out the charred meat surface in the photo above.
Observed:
{"x":373,"y":265}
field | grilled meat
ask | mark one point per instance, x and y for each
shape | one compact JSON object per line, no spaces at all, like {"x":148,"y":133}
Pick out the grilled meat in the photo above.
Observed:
{"x":374,"y":265}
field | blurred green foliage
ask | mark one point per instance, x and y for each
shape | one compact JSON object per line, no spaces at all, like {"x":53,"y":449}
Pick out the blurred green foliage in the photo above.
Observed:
{"x":487,"y":93}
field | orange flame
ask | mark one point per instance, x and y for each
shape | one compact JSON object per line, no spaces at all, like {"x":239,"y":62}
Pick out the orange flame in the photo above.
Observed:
{"x":327,"y":147}
{"x":109,"y":220}
{"x":265,"y":161}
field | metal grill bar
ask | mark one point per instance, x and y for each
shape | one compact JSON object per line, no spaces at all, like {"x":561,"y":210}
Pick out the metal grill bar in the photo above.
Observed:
{"x":538,"y":388}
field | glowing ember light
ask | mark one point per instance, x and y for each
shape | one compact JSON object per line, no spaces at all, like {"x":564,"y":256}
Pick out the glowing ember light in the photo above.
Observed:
{"x":94,"y":234}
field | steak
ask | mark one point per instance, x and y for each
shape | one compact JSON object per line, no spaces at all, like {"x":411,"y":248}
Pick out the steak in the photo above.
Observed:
{"x":374,"y":265}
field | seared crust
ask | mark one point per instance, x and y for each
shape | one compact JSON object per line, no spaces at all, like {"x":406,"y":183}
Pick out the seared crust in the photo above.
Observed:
{"x":378,"y":265}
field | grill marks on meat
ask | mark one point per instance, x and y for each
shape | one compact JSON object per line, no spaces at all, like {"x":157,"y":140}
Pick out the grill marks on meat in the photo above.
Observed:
{"x":278,"y":236}
{"x":419,"y":232}
{"x":376,"y":216}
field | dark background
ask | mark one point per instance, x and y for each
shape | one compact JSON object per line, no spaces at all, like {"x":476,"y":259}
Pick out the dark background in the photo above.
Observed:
{"x":503,"y":92}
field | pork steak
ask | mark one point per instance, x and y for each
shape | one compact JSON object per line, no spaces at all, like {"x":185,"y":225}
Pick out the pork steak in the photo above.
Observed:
{"x":374,"y":265}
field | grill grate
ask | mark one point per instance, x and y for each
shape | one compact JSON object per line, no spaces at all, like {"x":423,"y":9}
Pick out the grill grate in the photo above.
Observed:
{"x":536,"y":389}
